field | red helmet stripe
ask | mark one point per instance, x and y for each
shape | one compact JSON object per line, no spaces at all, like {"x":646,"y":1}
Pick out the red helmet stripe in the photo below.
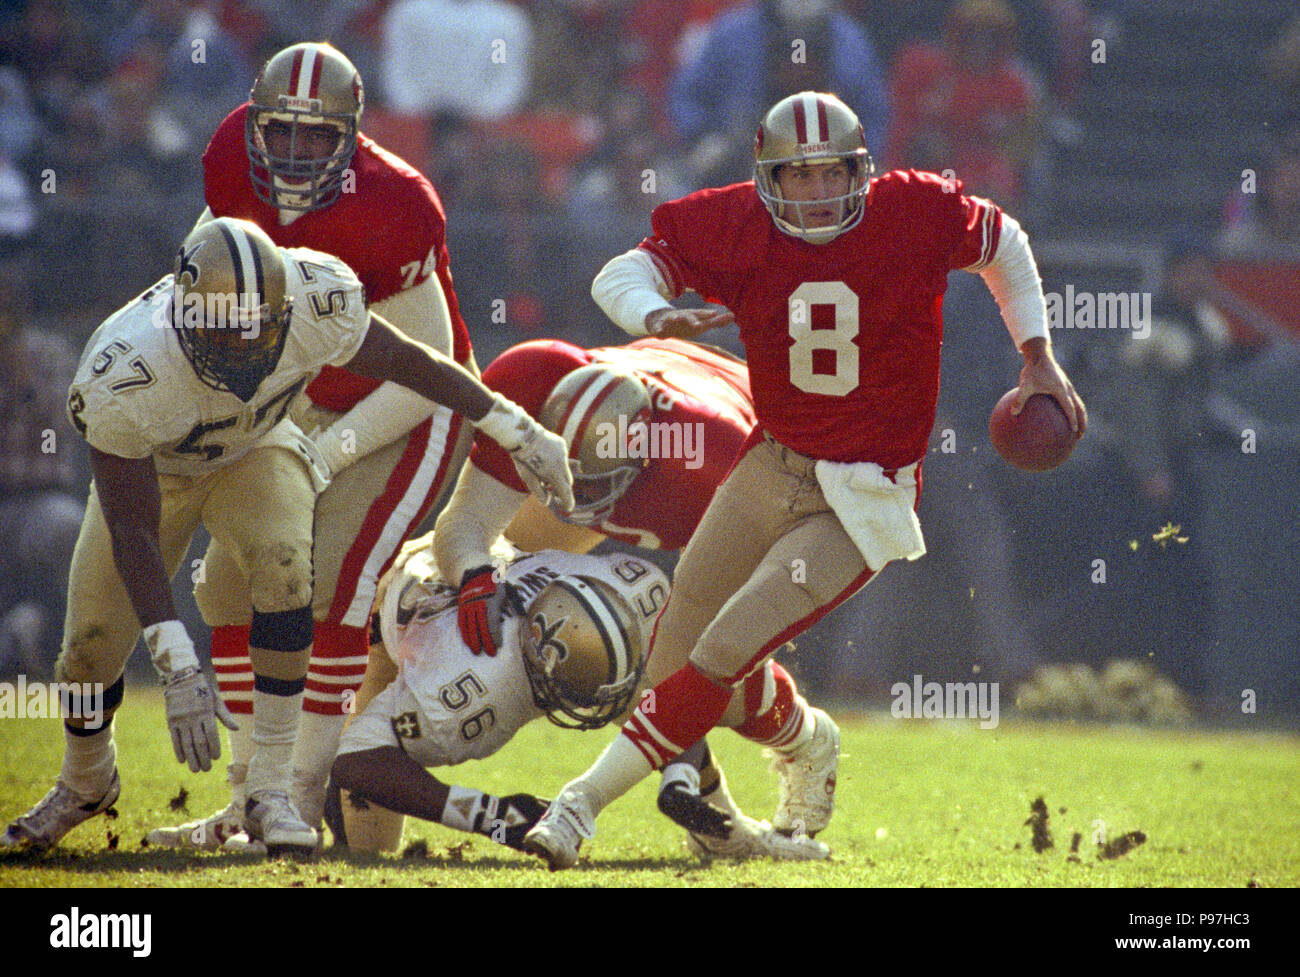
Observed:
{"x":590,"y":413}
{"x":823,"y":124}
{"x":566,"y":417}
{"x":294,"y":71}
{"x":800,"y":123}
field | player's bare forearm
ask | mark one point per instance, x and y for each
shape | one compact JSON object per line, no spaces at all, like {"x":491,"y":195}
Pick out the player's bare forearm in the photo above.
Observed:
{"x":128,"y":494}
{"x":391,"y":779}
{"x":386,"y":354}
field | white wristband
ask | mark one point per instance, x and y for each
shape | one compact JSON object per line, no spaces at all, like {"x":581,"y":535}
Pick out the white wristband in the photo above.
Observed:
{"x":506,"y":423}
{"x":170,"y":647}
{"x":464,"y":805}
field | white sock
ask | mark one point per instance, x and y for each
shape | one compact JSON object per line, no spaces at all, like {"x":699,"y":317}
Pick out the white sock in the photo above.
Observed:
{"x":89,"y":762}
{"x":313,"y":755}
{"x":616,"y":771}
{"x":241,"y":752}
{"x":275,"y":726}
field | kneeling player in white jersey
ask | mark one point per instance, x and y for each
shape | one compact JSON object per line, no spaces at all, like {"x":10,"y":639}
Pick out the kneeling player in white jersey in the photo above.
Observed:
{"x":183,"y":397}
{"x":572,"y":649}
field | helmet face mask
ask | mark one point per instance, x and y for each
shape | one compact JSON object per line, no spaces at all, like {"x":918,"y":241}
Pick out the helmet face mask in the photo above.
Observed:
{"x":594,"y":409}
{"x":582,"y":652}
{"x":812,"y":129}
{"x":230,"y":307}
{"x":301,"y":94}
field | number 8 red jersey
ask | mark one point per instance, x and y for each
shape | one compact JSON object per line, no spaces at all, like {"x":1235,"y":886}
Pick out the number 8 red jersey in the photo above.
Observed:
{"x":843,"y":338}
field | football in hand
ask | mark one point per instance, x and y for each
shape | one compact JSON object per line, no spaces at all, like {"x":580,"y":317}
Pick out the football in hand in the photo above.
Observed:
{"x":1038,"y":438}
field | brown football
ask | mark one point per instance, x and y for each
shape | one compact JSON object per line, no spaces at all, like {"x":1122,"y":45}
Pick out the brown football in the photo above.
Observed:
{"x":1038,"y":438}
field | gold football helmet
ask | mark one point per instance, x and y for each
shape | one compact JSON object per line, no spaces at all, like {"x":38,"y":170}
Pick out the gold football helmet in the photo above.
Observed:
{"x":593,"y":409}
{"x":230,"y":306}
{"x":811,"y":127}
{"x":298,"y":91}
{"x":583,"y":652}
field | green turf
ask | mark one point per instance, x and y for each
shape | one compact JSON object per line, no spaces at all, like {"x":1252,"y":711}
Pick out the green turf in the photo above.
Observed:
{"x":919,"y":804}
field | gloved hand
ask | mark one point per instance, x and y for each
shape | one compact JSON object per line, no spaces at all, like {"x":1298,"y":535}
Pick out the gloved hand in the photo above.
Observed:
{"x":317,"y":467}
{"x":482,"y":603}
{"x":540,"y":457}
{"x":507,"y":819}
{"x":193,"y":710}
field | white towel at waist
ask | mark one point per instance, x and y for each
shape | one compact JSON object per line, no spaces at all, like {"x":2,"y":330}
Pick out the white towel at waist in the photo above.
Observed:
{"x":878,"y":514}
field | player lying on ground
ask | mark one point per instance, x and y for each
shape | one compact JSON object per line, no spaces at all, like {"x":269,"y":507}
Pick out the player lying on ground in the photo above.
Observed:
{"x":570,"y":647}
{"x":182,"y":395}
{"x":294,"y":161}
{"x":652,"y":430}
{"x":836,"y":281}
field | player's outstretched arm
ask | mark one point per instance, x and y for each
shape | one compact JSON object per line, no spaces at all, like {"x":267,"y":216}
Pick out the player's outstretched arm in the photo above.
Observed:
{"x":540,"y":457}
{"x":128,"y":494}
{"x":632,"y":292}
{"x":388,"y":777}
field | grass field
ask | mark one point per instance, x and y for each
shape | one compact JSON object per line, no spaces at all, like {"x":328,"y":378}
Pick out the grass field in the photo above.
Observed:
{"x":919,"y":804}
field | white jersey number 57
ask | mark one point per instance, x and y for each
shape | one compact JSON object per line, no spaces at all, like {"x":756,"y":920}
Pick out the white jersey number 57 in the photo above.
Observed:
{"x":838,"y":340}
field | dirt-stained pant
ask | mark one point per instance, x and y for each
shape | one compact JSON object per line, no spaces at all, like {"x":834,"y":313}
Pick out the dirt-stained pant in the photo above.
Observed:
{"x":259,"y":507}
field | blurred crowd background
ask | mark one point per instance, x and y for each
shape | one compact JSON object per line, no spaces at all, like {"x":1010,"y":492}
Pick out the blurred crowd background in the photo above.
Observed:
{"x":1148,"y":147}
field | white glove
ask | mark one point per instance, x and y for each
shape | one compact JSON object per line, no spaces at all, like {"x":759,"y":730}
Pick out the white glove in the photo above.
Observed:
{"x":192,"y":708}
{"x":541,"y":458}
{"x":192,"y":713}
{"x":317,"y":466}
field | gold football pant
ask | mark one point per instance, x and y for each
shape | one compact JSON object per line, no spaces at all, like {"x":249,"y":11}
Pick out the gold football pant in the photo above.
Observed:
{"x":259,"y":508}
{"x":768,"y":560}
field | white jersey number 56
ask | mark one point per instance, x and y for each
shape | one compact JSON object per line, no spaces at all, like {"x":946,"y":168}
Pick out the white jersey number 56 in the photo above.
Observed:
{"x":839,"y":340}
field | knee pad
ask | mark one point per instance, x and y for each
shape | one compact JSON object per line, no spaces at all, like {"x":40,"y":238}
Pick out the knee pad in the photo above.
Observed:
{"x":280,"y":578}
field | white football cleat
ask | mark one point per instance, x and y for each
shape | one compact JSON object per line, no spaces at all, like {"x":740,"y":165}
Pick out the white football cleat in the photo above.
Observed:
{"x":271,"y":819}
{"x":205,"y":834}
{"x":58,"y":813}
{"x":561,"y":831}
{"x":757,"y":839}
{"x":807,"y":780}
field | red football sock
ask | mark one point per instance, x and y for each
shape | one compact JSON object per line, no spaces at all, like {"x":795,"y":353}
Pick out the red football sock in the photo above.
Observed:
{"x":675,"y":713}
{"x":338,"y":664}
{"x":782,"y":719}
{"x":232,"y":667}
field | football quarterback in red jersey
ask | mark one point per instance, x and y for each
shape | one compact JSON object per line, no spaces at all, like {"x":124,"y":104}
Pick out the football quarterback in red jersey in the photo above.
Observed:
{"x":652,"y":429}
{"x":836,"y":281}
{"x":294,"y":161}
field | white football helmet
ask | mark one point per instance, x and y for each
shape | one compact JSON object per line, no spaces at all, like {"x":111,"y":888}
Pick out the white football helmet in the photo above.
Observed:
{"x":231,"y":307}
{"x":583,"y":652}
{"x":303,"y":85}
{"x":593,"y":409}
{"x":811,"y":127}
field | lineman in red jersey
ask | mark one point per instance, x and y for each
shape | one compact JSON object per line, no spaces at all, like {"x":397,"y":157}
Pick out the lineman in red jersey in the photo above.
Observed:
{"x":300,"y":169}
{"x":695,"y":404}
{"x":836,"y":282}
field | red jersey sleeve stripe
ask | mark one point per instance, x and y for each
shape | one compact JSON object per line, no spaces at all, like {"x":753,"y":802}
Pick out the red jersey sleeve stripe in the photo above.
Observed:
{"x":667,"y":263}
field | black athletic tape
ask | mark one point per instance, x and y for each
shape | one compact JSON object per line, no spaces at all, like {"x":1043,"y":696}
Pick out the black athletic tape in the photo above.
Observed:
{"x":75,"y":702}
{"x":278,"y":686}
{"x":376,"y":635}
{"x":77,"y":731}
{"x":281,"y":630}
